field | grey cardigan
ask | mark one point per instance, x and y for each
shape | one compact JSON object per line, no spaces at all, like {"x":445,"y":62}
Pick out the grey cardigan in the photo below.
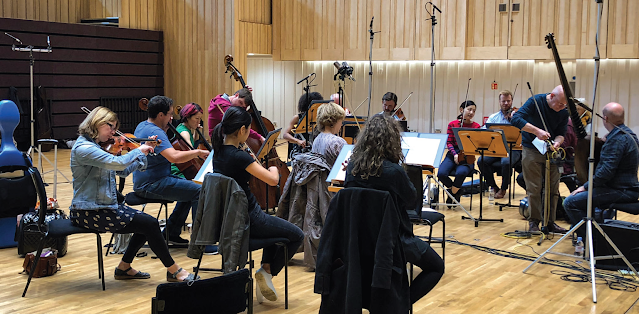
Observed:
{"x":222,"y":216}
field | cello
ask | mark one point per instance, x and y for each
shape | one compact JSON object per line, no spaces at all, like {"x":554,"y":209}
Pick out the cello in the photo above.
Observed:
{"x":265,"y":194}
{"x":189,"y":168}
{"x":582,"y":149}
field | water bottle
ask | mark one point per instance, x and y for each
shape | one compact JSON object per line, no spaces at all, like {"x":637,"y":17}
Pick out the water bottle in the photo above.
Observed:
{"x":579,"y":247}
{"x":491,"y":196}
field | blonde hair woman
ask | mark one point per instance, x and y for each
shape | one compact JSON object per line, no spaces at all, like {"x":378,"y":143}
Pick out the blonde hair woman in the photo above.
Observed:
{"x":329,"y":121}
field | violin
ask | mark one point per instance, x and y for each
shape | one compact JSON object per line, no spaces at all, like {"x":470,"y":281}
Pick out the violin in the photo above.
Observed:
{"x":509,"y":114}
{"x":122,"y":142}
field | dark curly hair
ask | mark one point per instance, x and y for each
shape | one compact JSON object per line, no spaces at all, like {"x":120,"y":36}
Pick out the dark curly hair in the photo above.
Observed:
{"x":381,"y":139}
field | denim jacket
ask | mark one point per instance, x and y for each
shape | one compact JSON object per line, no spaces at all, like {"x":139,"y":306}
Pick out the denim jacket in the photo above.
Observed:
{"x":94,"y":173}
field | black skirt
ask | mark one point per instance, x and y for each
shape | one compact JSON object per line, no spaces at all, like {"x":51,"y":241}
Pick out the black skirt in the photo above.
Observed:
{"x":104,"y":220}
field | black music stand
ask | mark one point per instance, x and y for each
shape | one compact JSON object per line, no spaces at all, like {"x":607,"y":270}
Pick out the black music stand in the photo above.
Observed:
{"x":482,"y":142}
{"x":309,"y":119}
{"x":269,"y":143}
{"x":513,"y":138}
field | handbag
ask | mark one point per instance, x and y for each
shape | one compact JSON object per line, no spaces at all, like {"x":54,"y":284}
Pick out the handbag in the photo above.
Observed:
{"x":47,"y":266}
{"x":28,"y":235}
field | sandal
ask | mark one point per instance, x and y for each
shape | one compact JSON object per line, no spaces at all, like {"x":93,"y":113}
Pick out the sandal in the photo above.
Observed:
{"x":173,"y":277}
{"x":122,"y":274}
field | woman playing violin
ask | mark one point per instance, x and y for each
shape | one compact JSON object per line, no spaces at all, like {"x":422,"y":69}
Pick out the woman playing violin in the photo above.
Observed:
{"x":228,"y":136}
{"x":455,"y":160}
{"x":94,"y":205}
{"x":191,"y":115}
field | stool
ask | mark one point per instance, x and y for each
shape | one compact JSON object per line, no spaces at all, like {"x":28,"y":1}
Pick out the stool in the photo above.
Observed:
{"x":630,"y":208}
{"x":133,"y":199}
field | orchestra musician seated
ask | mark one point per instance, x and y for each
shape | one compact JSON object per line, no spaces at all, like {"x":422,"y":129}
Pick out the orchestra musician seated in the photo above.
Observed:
{"x":486,"y":164}
{"x":297,"y":143}
{"x":232,"y":161}
{"x":157,"y":182}
{"x":305,"y":198}
{"x":615,"y":178}
{"x":191,"y":116}
{"x":389,"y":102}
{"x":374,"y":164}
{"x":455,"y":159}
{"x":94,"y":205}
{"x":242,"y":98}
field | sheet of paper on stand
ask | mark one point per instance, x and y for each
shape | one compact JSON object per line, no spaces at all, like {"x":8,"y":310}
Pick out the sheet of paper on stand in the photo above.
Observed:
{"x":420,"y":150}
{"x":540,"y":145}
{"x":207,"y":167}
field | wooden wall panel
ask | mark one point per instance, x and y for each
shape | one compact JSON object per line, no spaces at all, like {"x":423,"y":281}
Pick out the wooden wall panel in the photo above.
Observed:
{"x":197,"y":34}
{"x":452,"y":28}
{"x":288,"y":36}
{"x":623,"y":36}
{"x":402,"y":30}
{"x":64,"y":11}
{"x":312,"y":28}
{"x":254,"y":11}
{"x":332,"y":24}
{"x":535,"y":19}
{"x":487,"y":36}
{"x":356,"y":36}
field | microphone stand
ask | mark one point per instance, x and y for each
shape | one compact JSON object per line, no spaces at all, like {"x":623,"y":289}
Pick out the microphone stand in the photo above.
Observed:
{"x":370,"y":68}
{"x":31,"y":49}
{"x":433,"y":20}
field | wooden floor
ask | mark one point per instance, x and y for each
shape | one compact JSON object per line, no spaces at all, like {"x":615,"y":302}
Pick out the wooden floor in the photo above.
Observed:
{"x":474,"y":282}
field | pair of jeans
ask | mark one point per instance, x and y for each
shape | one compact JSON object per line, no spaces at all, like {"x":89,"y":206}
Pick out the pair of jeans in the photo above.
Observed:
{"x":422,"y":255}
{"x":462,"y":171}
{"x":263,"y":226}
{"x":488,"y":166}
{"x":602,"y":197}
{"x":173,"y":188}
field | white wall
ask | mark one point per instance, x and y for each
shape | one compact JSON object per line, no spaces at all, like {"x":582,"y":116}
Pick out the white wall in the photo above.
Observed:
{"x":276,"y":93}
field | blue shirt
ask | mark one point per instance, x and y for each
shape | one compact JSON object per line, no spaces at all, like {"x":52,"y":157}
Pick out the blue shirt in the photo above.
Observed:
{"x":159,"y":167}
{"x":497,"y":117}
{"x":617,"y":167}
{"x":555,"y":121}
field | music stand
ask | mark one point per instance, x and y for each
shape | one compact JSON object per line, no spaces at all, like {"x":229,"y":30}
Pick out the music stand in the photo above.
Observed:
{"x":269,"y":143}
{"x":513,"y":138}
{"x":309,"y":119}
{"x":482,"y":142}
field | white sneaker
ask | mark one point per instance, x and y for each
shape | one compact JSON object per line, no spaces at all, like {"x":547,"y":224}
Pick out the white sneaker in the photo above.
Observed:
{"x":265,"y":285}
{"x":258,"y":294}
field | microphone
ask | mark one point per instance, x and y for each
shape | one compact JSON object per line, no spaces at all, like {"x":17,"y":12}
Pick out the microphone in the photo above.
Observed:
{"x":302,"y":80}
{"x":371,"y":27}
{"x":16,"y":39}
{"x":434,"y":6}
{"x":48,"y":41}
{"x":337,"y":65}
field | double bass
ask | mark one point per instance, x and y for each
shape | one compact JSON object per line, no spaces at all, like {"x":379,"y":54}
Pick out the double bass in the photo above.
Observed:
{"x":582,"y":149}
{"x":267,"y":196}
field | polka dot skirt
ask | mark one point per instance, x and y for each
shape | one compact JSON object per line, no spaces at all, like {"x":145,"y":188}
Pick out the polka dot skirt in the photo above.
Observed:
{"x":104,"y":220}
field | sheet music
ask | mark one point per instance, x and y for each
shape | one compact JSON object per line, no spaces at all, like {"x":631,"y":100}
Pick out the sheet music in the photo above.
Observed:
{"x":341,"y":174}
{"x":207,"y":167}
{"x":421,"y":151}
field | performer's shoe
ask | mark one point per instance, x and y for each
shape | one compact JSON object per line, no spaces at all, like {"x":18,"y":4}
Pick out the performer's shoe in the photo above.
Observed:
{"x":533,"y":226}
{"x":556,"y":229}
{"x":265,"y":283}
{"x":500,"y":194}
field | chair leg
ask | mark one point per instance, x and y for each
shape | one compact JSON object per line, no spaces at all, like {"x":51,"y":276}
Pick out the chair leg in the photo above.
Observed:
{"x":411,"y":283}
{"x":109,"y":246}
{"x":444,"y":241}
{"x":199,"y":262}
{"x":286,"y":278}
{"x":250,"y":294}
{"x":166,"y":221}
{"x":100,"y":261}
{"x":35,"y":263}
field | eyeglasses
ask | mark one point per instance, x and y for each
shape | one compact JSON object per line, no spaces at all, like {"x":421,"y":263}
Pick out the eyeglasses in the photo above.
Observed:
{"x":111,"y":126}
